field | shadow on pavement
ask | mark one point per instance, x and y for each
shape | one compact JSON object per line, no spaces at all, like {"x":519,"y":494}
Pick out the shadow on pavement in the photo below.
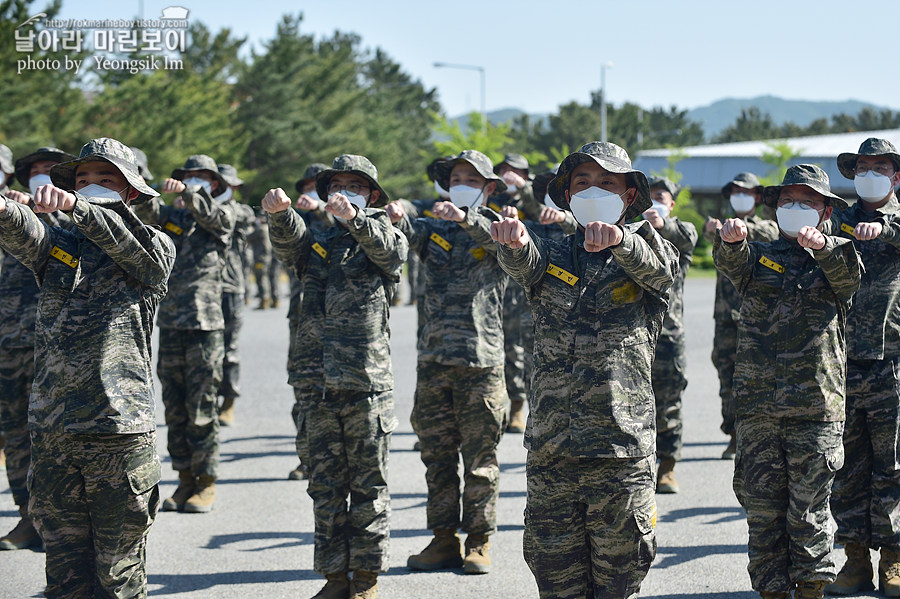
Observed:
{"x":288,"y":539}
{"x":673,"y":556}
{"x":726,"y":514}
{"x":173,"y":584}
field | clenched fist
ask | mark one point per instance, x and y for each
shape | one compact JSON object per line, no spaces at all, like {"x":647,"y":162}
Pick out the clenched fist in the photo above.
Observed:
{"x":510,"y":232}
{"x":733,"y":230}
{"x":276,"y":200}
{"x":448,"y":211}
{"x":811,"y":237}
{"x":599,"y":235}
{"x":172,"y":186}
{"x":395,"y":212}
{"x":340,"y":206}
{"x":49,"y":198}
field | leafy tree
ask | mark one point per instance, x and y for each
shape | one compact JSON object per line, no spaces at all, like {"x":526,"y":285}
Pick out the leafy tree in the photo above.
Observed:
{"x":750,"y":125}
{"x":478,"y":135}
{"x":40,"y":105}
{"x":778,"y":156}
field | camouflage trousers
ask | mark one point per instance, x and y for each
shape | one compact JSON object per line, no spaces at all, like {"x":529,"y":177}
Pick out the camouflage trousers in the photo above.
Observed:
{"x":590,"y":525}
{"x":723,"y":353}
{"x":349,"y":440}
{"x":669,"y":384}
{"x":232,"y":308}
{"x":190,"y":370}
{"x":460,"y":410}
{"x":16,"y":375}
{"x":93,"y":499}
{"x":303,"y":398}
{"x":783,"y":473}
{"x":274,"y":275}
{"x":514,"y":365}
{"x":261,"y":276}
{"x":866,"y":499}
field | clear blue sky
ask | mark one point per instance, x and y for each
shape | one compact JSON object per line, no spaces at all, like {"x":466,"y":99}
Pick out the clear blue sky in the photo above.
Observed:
{"x":538,"y":54}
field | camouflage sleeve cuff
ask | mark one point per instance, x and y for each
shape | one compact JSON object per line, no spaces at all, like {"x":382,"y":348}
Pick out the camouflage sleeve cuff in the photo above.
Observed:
{"x":626,"y":246}
{"x":359,"y":221}
{"x":80,"y":210}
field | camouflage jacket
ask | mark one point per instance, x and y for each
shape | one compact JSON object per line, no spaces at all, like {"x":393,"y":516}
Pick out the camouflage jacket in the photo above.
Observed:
{"x":791,"y":352}
{"x":19,"y":294}
{"x":317,"y":219}
{"x":728,"y":302}
{"x":873,"y":325}
{"x":464,"y":286}
{"x":201,"y":231}
{"x":683,"y":235}
{"x":100,"y":286}
{"x":596,"y":320}
{"x":348,"y":274}
{"x":524,"y":201}
{"x":233,"y":275}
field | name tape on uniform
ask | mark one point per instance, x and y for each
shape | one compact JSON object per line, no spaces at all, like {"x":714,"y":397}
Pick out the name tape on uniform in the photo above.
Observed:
{"x":771,"y":264}
{"x":319,"y":250}
{"x":64,"y":256}
{"x":848,"y":229}
{"x":479,"y":253}
{"x":174,"y":228}
{"x":441,"y":242}
{"x":562,"y":275}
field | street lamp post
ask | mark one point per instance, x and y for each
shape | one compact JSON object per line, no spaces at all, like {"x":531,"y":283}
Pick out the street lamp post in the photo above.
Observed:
{"x":468,"y":67}
{"x":603,"y":68}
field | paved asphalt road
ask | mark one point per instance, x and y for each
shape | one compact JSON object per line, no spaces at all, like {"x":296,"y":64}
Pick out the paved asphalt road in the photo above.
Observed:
{"x":258,"y":540}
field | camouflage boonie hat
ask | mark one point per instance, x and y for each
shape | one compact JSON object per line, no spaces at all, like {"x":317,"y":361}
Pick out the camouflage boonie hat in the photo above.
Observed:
{"x":6,"y":161}
{"x":23,"y":164}
{"x":229,"y":173}
{"x":871,"y":147}
{"x":309,"y":174}
{"x":143,"y":165}
{"x":514,"y":161}
{"x":665,"y":184}
{"x":481,"y":163}
{"x":108,"y":150}
{"x":612,"y":158}
{"x":431,"y":169}
{"x":809,"y":175}
{"x":355,"y":165}
{"x":747,"y":181}
{"x":540,"y":183}
{"x":201,"y":162}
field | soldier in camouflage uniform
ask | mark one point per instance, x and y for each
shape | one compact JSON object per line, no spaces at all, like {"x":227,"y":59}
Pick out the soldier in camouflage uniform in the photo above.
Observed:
{"x":866,"y":500}
{"x":94,"y":475}
{"x":191,"y":325}
{"x":261,"y":250}
{"x":789,"y":382}
{"x":598,"y":298}
{"x":18,"y":311}
{"x":311,"y":209}
{"x":460,"y":400}
{"x":233,"y":292}
{"x":744,"y":194}
{"x":669,"y":381}
{"x":349,"y":273}
{"x":143,"y":164}
{"x":6,"y":166}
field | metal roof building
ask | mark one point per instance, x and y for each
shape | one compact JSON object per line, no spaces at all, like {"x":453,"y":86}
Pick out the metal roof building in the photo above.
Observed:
{"x":706,"y":168}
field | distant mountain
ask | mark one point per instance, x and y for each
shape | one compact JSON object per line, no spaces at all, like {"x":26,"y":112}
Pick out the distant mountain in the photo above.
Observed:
{"x":502,"y":115}
{"x":717,"y":116}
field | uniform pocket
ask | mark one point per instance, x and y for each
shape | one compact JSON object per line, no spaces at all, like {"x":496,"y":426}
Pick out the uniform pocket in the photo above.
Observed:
{"x":145,"y":476}
{"x":834,"y":458}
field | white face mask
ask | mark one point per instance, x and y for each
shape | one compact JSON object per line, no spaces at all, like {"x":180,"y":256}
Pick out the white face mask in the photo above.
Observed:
{"x":443,"y":193}
{"x":198,"y":182}
{"x":661,"y":208}
{"x":794,"y":216}
{"x":98,"y":191}
{"x":595,"y":204}
{"x":511,"y":189}
{"x":742,"y":203}
{"x":354,"y":198}
{"x":872,"y":186}
{"x":464,"y":196}
{"x":38,"y":180}
{"x":548,"y":201}
{"x":224,"y":197}
{"x":314,"y":195}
